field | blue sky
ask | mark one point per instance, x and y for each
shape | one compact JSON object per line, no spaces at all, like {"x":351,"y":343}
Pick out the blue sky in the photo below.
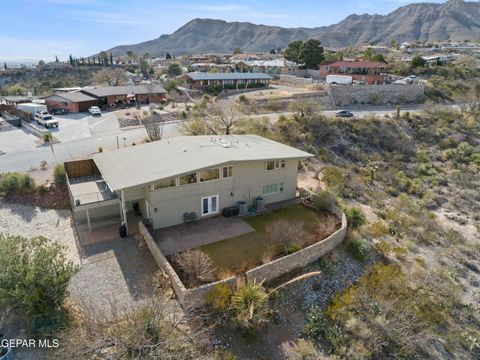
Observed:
{"x":41,"y":29}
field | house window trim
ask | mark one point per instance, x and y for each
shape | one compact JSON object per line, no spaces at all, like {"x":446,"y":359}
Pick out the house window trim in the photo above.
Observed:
{"x":227,"y":167}
{"x":193,"y":183}
{"x":209,"y":204}
{"x":277,"y":164}
{"x":280,"y":189}
{"x":206,"y":181}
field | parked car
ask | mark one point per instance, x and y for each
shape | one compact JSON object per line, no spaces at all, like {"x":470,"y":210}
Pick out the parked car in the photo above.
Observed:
{"x":94,"y":110}
{"x":59,"y":111}
{"x":344,"y":113}
{"x":44,"y":118}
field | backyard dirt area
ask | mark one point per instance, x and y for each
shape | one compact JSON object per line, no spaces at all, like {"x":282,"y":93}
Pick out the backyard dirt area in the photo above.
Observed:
{"x":28,"y":221}
{"x":51,"y":197}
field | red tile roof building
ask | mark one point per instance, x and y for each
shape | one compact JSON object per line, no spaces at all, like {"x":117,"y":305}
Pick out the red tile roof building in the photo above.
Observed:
{"x":371,"y":72}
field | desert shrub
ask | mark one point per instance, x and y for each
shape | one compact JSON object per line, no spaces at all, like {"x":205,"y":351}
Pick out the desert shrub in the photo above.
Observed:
{"x":250,"y":306}
{"x":359,"y":248}
{"x":383,"y":247}
{"x":316,"y":324}
{"x":34,"y":279}
{"x":293,"y":248}
{"x":197,"y":267}
{"x":327,"y":266}
{"x":100,"y":149}
{"x":59,"y":175}
{"x":219,"y":298}
{"x":43,"y":164}
{"x":286,"y":233}
{"x":355,"y":217}
{"x":323,"y":200}
{"x":337,"y":338}
{"x":151,"y":331}
{"x":378,"y":229}
{"x":47,"y":137}
{"x":335,"y":179}
{"x":301,"y":350}
{"x":42,"y":190}
{"x":14,"y":181}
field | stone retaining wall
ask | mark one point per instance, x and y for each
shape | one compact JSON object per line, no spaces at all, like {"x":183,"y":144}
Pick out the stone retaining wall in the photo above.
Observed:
{"x":192,"y":298}
{"x":276,"y":268}
{"x":188,"y":298}
{"x":344,"y":95}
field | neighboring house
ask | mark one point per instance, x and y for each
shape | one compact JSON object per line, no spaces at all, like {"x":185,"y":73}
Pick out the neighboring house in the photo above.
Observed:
{"x":370,"y":72}
{"x":110,"y":96}
{"x":276,"y":66}
{"x":206,"y":67}
{"x":228,"y":80}
{"x":166,"y":179}
{"x":74,"y":101}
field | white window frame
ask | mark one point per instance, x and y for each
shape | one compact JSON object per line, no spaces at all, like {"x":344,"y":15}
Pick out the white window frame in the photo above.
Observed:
{"x":223,"y":169}
{"x":204,"y":181}
{"x":279,"y":185}
{"x":210,"y":205}
{"x":277,"y":164}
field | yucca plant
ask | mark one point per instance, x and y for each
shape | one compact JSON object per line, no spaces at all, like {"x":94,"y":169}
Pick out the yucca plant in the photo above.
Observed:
{"x":250,"y":306}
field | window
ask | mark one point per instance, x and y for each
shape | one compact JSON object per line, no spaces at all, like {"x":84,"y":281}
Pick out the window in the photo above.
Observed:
{"x":209,"y":205}
{"x":274,"y":164}
{"x":188,"y":179}
{"x":272,"y":188}
{"x":210,"y":174}
{"x":227,"y":172}
{"x":162,"y":184}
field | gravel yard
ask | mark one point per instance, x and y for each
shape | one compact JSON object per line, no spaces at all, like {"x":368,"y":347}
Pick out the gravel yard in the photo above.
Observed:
{"x":30,"y":222}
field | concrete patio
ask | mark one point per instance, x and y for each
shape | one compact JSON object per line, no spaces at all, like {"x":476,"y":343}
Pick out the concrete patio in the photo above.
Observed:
{"x":187,"y":236}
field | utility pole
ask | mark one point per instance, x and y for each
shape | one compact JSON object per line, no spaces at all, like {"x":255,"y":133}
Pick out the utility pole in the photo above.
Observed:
{"x":118,"y":146}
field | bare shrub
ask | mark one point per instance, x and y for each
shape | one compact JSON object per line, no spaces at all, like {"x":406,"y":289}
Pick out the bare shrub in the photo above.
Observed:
{"x":197,"y":266}
{"x":327,"y":226}
{"x":146,"y":333}
{"x":301,"y":350}
{"x":285,"y":233}
{"x":268,"y":254}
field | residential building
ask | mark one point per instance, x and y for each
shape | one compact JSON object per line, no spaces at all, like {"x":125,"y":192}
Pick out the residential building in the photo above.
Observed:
{"x":199,"y":175}
{"x":276,"y":66}
{"x":75,"y":101}
{"x":228,"y":80}
{"x":369,"y":72}
{"x":109,"y":96}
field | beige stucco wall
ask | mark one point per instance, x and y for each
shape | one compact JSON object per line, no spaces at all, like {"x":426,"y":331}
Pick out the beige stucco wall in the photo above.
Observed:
{"x":167,"y":206}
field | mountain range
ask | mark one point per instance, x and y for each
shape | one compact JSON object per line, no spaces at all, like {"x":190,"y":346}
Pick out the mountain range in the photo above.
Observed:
{"x":452,"y":20}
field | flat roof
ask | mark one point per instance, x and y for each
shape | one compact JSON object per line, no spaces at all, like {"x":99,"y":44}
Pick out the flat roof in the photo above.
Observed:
{"x":228,"y":76}
{"x":124,"y":90}
{"x":147,"y":163}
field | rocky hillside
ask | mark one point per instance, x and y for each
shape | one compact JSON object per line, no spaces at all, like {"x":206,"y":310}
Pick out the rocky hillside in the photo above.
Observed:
{"x":452,"y":20}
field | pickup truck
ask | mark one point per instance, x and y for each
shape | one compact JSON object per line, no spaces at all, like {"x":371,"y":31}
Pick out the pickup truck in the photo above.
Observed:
{"x":44,"y":118}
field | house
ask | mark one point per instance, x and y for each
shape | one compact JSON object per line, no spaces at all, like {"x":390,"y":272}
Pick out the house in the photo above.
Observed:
{"x":276,"y":66}
{"x":110,"y":96}
{"x":228,"y":80}
{"x":370,"y":72}
{"x":195,"y":175}
{"x":75,"y":101}
{"x":119,"y":95}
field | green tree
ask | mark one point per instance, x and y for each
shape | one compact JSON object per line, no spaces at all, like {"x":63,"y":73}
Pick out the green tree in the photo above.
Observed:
{"x":311,"y":54}
{"x":168,"y":56}
{"x":34,"y":278}
{"x":292,"y":52}
{"x":368,"y":54}
{"x":15,"y":90}
{"x":273,"y":51}
{"x":174,"y":69}
{"x":5,"y":65}
{"x":418,"y":61}
{"x":378,"y":57}
{"x":237,"y":51}
{"x":144,"y":67}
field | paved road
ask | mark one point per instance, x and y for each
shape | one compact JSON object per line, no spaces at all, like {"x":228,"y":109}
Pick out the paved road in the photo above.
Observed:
{"x":82,"y":135}
{"x":29,"y":155}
